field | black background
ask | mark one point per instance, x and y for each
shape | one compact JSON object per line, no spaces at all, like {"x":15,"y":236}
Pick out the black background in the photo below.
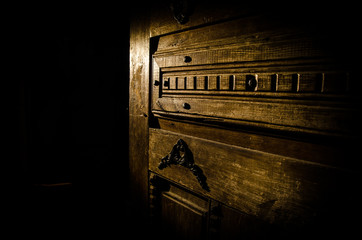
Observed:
{"x":71,"y":66}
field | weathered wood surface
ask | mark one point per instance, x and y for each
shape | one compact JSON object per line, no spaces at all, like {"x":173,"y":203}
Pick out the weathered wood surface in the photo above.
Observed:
{"x":266,"y":80}
{"x":255,"y":38}
{"x":257,"y":71}
{"x":203,"y":13}
{"x":272,"y":187}
{"x":256,"y":173}
{"x":191,"y":212}
{"x":138,"y":108}
{"x":284,"y":115}
{"x":334,"y":152}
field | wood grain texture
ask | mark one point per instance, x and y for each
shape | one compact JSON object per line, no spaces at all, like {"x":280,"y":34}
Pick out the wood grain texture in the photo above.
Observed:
{"x":203,"y":13}
{"x":259,"y":71}
{"x":266,"y":100}
{"x":189,"y":223}
{"x":334,"y":152}
{"x":272,"y":187}
{"x":287,"y":115}
{"x":138,"y":108}
{"x":253,"y":38}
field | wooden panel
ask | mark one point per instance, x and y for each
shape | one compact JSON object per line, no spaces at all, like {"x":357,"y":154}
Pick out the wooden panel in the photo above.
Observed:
{"x":226,"y":82}
{"x":236,"y":225}
{"x":290,"y":97}
{"x":247,"y":39}
{"x":181,"y":219}
{"x":272,"y":187}
{"x":334,"y":152}
{"x":242,"y":54}
{"x":246,"y":71}
{"x":216,"y":34}
{"x":203,"y":12}
{"x":306,"y":116}
{"x":177,"y":211}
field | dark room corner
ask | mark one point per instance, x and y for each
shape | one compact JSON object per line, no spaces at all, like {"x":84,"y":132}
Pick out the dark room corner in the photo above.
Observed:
{"x":72,"y":166}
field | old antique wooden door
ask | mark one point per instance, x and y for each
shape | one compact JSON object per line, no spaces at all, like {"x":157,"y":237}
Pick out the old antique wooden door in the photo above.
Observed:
{"x":243,"y":120}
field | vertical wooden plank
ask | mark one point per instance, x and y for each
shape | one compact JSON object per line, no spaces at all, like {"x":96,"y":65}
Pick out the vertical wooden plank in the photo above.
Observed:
{"x":139,"y":108}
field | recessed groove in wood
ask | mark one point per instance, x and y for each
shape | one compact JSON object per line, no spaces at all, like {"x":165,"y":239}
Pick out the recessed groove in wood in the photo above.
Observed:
{"x":303,"y":82}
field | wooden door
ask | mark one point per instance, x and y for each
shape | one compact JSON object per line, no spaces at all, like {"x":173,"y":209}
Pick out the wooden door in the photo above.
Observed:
{"x":243,"y":121}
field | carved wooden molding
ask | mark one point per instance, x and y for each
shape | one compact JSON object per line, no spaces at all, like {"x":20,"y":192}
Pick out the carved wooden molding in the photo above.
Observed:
{"x":303,"y":82}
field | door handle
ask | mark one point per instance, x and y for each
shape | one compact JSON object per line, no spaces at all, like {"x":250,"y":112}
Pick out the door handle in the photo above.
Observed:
{"x":182,"y":155}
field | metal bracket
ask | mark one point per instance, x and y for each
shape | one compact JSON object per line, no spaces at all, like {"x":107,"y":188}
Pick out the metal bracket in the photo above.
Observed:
{"x":181,"y":155}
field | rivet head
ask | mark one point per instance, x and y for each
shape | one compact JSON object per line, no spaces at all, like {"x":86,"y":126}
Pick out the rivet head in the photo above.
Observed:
{"x":251,"y":83}
{"x":186,"y":106}
{"x":187,"y":59}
